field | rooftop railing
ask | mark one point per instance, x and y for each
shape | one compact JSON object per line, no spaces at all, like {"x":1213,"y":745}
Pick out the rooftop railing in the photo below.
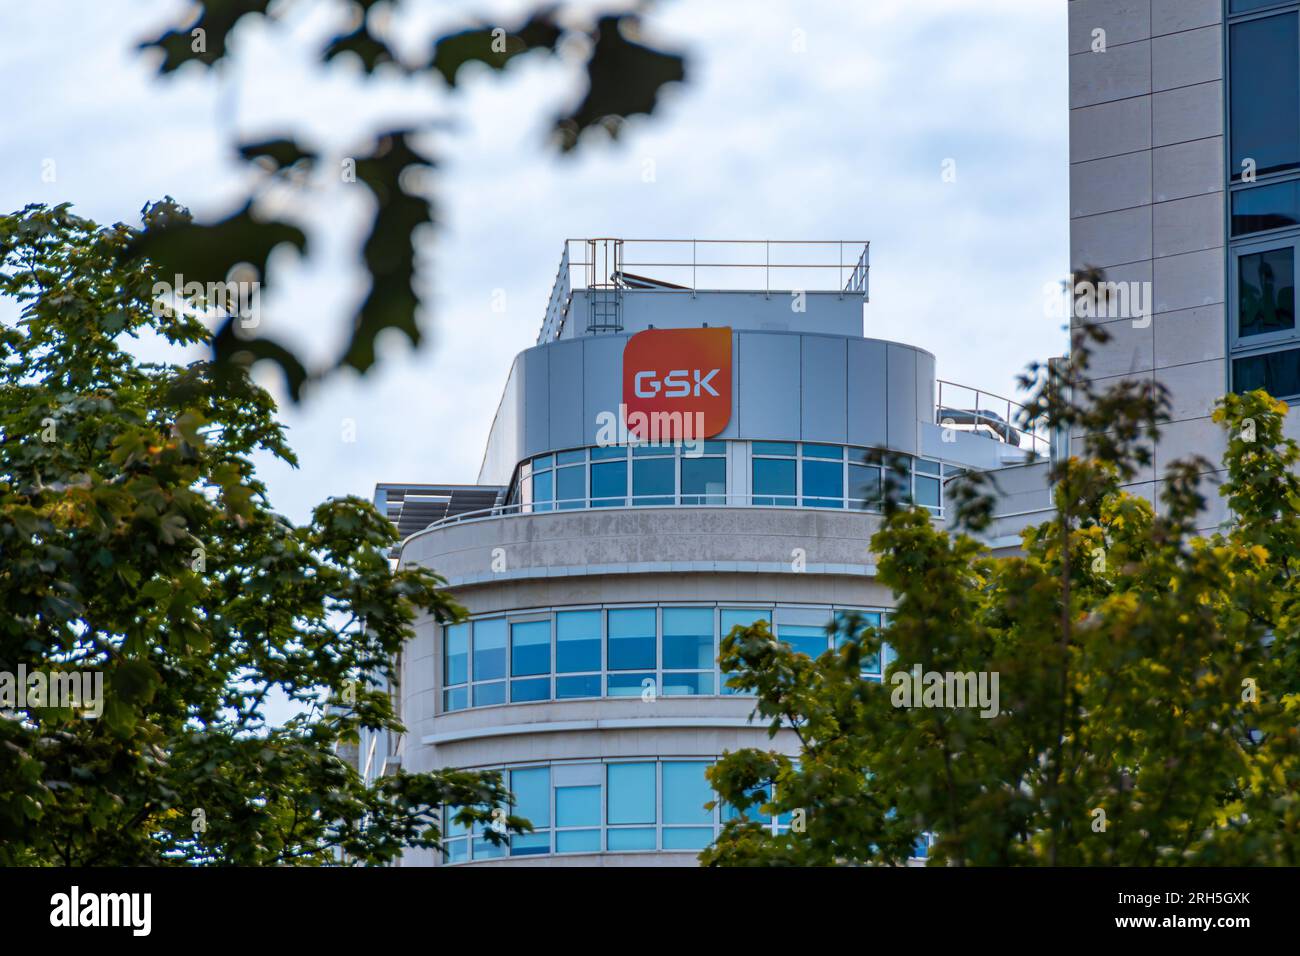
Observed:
{"x":612,"y":267}
{"x":975,"y":410}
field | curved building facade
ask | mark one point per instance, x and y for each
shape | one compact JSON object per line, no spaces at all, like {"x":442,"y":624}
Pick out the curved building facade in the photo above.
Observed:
{"x":666,"y":463}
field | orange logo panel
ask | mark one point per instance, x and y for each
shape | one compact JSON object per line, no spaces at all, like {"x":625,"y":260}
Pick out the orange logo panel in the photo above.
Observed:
{"x":677,"y":383}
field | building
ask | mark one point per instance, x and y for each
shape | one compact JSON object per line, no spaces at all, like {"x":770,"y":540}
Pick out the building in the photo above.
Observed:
{"x":600,"y":577}
{"x":1184,"y":171}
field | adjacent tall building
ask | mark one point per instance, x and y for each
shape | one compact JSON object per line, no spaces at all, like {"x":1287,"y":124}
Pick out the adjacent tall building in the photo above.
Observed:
{"x":1185,"y":175}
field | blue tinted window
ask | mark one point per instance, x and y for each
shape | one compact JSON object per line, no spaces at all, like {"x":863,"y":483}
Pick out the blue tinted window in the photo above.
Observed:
{"x":632,"y":639}
{"x":803,"y":638}
{"x":530,"y":648}
{"x":742,"y":617}
{"x":571,"y":486}
{"x":606,"y":452}
{"x":785,"y":448}
{"x":927,"y":491}
{"x":687,"y":683}
{"x":543,"y":488}
{"x":577,"y":806}
{"x":823,"y":483}
{"x":834,"y":452}
{"x":686,"y":791}
{"x":704,"y":481}
{"x":530,"y":844}
{"x":774,"y":481}
{"x":577,"y":841}
{"x":490,"y":648}
{"x":609,"y":481}
{"x":629,"y":685}
{"x":638,"y":838}
{"x":455,"y":698}
{"x":569,"y":457}
{"x":485,"y":695}
{"x":455,"y":654}
{"x":522,"y":691}
{"x":864,"y":485}
{"x":543,"y":461}
{"x":631,"y":793}
{"x":1278,"y":373}
{"x":687,"y":838}
{"x":587,"y":685}
{"x":1246,"y":6}
{"x":577,"y":641}
{"x":688,"y":638}
{"x":653,"y":451}
{"x":652,"y":481}
{"x":1265,"y":94}
{"x":484,"y":850}
{"x":754,"y":811}
{"x":926,"y":466}
{"x":532,"y":790}
{"x":1266,"y":292}
{"x":1260,"y":208}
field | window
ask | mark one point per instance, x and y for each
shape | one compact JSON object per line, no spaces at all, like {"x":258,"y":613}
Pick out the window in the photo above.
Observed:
{"x":455,"y":666}
{"x":577,"y":819}
{"x":489,"y":661}
{"x":864,"y":487}
{"x":730,"y":618}
{"x":532,"y":792}
{"x":654,"y":480}
{"x":543,"y":490}
{"x":687,"y":824}
{"x":568,"y":654}
{"x":804,"y":638}
{"x":631,"y":789}
{"x":849,"y":622}
{"x":1264,"y":129}
{"x":1262,"y":208}
{"x":1266,"y":292}
{"x":1278,"y":373}
{"x":571,"y":486}
{"x":1264,"y":91}
{"x":823,"y":483}
{"x":704,"y":478}
{"x":773,"y":478}
{"x":781,"y":474}
{"x":530,"y":654}
{"x":609,"y":484}
{"x":577,"y":650}
{"x":688,"y":646}
{"x":631,"y":647}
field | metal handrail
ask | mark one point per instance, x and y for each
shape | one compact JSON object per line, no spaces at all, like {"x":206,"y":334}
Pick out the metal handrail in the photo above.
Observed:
{"x":1013,"y":428}
{"x":623,"y":502}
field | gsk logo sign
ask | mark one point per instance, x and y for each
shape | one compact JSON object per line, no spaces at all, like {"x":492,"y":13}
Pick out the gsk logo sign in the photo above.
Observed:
{"x":677,"y":383}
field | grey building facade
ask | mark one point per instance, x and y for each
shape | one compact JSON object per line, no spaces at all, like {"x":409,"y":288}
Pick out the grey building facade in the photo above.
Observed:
{"x":601,"y":570}
{"x":1184,"y":159}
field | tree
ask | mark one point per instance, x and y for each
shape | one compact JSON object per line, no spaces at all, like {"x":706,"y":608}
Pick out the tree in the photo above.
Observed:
{"x":1146,"y":705}
{"x":623,"y":77}
{"x":137,"y":543}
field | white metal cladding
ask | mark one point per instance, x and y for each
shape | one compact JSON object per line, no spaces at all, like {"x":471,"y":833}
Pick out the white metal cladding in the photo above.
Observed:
{"x":786,"y":386}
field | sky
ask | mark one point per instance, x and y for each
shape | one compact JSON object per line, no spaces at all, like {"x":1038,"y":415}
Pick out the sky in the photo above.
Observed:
{"x":813,"y":119}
